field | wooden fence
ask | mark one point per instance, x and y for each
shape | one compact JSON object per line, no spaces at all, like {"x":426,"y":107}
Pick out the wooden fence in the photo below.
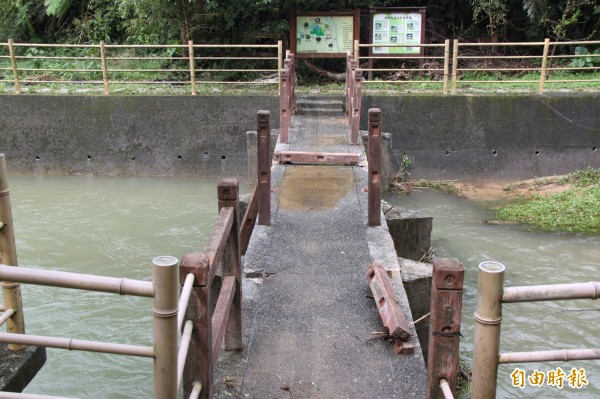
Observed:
{"x":107,"y":65}
{"x":478,"y":64}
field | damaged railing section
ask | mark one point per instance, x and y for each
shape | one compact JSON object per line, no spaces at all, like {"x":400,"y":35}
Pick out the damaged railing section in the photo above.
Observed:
{"x":287,"y":96}
{"x":354,"y":81}
{"x":491,"y":294}
{"x":208,"y":325}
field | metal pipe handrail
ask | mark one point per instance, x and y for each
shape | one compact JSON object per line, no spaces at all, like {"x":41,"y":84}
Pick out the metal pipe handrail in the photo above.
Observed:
{"x":446,"y":390}
{"x":88,"y":282}
{"x":15,"y":395}
{"x":8,"y":313}
{"x":184,"y":298}
{"x":77,"y":344}
{"x":196,"y":390}
{"x":552,"y":292}
{"x":186,"y":337}
{"x":549,"y":356}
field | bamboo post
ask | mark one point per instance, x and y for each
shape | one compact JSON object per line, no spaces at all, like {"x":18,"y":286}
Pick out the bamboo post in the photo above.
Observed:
{"x":356,"y":104}
{"x":284,"y":101}
{"x":11,"y":292}
{"x":13,"y":62}
{"x":454,"y":65}
{"x":192,"y":67}
{"x":279,"y":61}
{"x":104,"y":68}
{"x":544,"y":64}
{"x":165,"y":306}
{"x":488,"y":316}
{"x":444,"y":326}
{"x":199,"y":363}
{"x":264,"y":167}
{"x":446,"y":65}
{"x":374,"y":211}
{"x":228,"y":190}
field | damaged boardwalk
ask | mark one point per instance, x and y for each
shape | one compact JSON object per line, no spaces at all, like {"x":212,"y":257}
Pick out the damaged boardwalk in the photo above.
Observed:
{"x":308,"y":310}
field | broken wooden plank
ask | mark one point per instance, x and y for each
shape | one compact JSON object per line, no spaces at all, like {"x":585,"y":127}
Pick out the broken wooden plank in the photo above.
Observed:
{"x":337,"y":158}
{"x":387,"y":303}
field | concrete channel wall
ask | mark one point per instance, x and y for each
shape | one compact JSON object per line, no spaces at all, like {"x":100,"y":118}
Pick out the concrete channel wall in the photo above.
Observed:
{"x":130,"y":135}
{"x":492,"y":136}
{"x":470,"y":137}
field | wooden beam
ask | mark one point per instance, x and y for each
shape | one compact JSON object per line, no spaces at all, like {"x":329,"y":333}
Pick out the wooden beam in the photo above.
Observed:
{"x":248,"y":223}
{"x":336,"y":158}
{"x":387,"y":302}
{"x":220,"y":316}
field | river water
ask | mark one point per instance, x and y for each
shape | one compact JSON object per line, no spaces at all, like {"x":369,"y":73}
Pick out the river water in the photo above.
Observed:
{"x":115,"y":226}
{"x":530,"y":258}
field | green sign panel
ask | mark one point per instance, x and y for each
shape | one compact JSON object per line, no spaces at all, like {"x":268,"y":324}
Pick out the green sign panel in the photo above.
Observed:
{"x":403,"y":28}
{"x":324,"y":34}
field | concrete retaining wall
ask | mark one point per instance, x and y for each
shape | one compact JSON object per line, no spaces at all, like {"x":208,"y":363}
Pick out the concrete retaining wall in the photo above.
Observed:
{"x":469,"y":137}
{"x":130,"y":135}
{"x":503,"y":137}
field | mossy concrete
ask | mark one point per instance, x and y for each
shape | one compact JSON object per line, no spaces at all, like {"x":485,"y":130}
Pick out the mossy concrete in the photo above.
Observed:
{"x":17,"y":368}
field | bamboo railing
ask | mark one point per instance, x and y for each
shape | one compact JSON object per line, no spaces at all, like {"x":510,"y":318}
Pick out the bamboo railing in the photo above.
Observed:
{"x":491,"y":294}
{"x":204,"y":326}
{"x":107,"y":65}
{"x":461,"y":66}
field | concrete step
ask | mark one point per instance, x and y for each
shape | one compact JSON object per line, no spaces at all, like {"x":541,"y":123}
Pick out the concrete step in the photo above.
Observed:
{"x":333,"y":104}
{"x":320,"y":111}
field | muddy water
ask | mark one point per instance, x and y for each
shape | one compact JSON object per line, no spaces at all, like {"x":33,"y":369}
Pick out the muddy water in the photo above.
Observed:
{"x":530,"y":258}
{"x":115,"y":226}
{"x":107,"y":226}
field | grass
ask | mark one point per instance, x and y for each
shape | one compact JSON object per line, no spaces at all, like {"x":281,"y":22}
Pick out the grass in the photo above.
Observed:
{"x":575,"y":210}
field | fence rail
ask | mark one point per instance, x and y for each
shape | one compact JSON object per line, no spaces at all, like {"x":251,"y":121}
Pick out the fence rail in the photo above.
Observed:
{"x":450,"y":66}
{"x":107,"y":65}
{"x":491,"y":294}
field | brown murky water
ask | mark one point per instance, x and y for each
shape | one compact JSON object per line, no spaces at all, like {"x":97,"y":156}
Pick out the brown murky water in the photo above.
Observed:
{"x":314,"y":187}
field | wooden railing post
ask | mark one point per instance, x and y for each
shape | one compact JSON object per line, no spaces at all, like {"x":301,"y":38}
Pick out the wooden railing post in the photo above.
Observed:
{"x":356,"y":102}
{"x":348,"y":82}
{"x":264,"y":167}
{"x":11,"y":292}
{"x":192,"y":67}
{"x":292,"y":80}
{"x":488,"y":317}
{"x":454,"y":65}
{"x":199,"y":363}
{"x":446,"y":65}
{"x":444,"y":326}
{"x":104,"y":68}
{"x":13,"y":62}
{"x":284,"y":102}
{"x":544,"y":63}
{"x":374,"y":159}
{"x":279,"y":61}
{"x":228,"y":191}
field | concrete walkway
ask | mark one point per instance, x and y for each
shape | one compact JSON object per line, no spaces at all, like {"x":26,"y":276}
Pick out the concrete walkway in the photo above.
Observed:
{"x":307,"y":310}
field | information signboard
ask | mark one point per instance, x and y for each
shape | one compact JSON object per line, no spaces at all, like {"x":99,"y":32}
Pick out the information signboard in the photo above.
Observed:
{"x":324,"y":34}
{"x":402,"y":26}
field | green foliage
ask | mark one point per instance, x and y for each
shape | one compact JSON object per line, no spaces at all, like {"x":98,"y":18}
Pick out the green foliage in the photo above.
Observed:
{"x":590,"y":61}
{"x":575,"y":210}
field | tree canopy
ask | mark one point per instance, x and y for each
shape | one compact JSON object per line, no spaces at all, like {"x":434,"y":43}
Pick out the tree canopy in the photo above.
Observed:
{"x":253,"y":21}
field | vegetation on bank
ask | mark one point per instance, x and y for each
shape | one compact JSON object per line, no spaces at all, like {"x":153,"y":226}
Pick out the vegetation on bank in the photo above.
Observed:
{"x":576,"y":209}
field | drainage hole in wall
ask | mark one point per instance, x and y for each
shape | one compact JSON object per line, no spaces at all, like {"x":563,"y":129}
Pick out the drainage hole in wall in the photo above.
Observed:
{"x":133,"y":158}
{"x":37,"y":157}
{"x":206,"y":153}
{"x":447,"y":152}
{"x":494,"y":152}
{"x":89,"y":157}
{"x":223,"y":157}
{"x":537,"y":153}
{"x":178,"y":156}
